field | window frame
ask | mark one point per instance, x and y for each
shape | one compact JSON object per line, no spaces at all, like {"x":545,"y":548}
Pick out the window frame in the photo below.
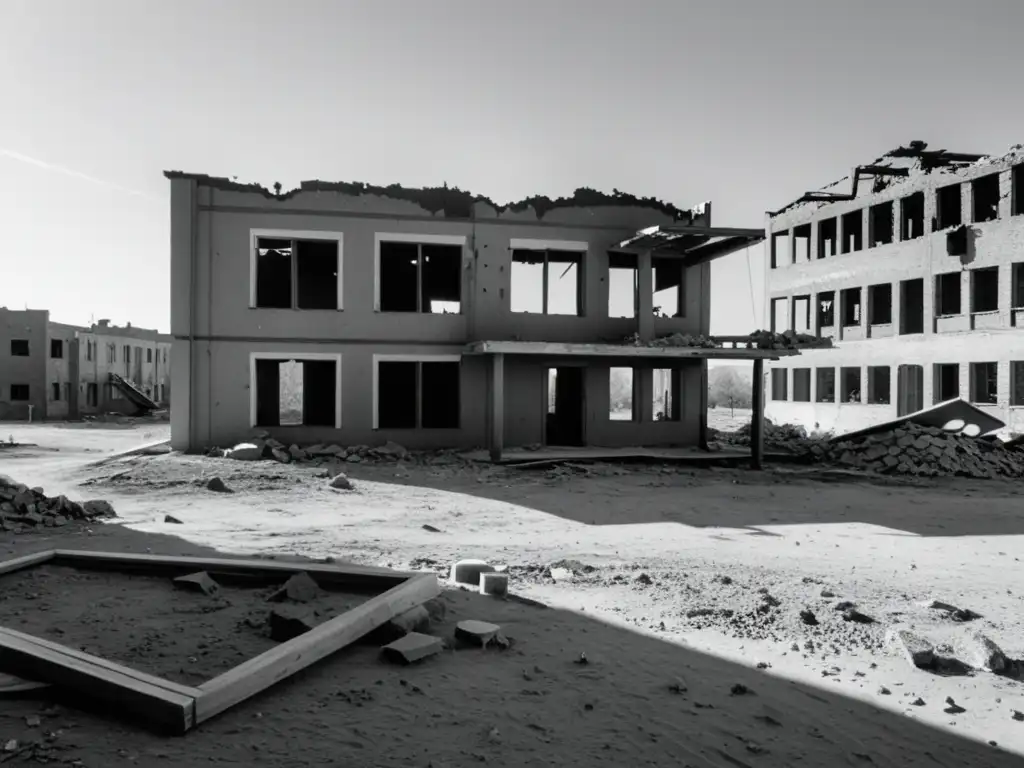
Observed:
{"x":298,"y":357}
{"x":295,"y":234}
{"x":581,"y":247}
{"x":424,"y":358}
{"x":413,"y":238}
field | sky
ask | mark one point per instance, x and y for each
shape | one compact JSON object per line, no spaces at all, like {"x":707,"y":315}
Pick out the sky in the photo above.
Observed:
{"x":744,"y":103}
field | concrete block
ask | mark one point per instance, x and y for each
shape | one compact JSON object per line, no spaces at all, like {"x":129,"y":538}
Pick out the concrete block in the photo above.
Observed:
{"x":300,"y":588}
{"x":197,"y":582}
{"x":980,"y":652}
{"x":289,"y":621}
{"x":914,"y":648}
{"x":477,"y":632}
{"x":468,"y":572}
{"x":412,"y":648}
{"x":494,"y":584}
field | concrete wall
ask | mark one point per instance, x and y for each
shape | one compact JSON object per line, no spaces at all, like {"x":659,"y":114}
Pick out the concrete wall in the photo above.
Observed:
{"x":970,"y":337}
{"x":58,"y":371}
{"x":30,"y":325}
{"x":216,"y":330}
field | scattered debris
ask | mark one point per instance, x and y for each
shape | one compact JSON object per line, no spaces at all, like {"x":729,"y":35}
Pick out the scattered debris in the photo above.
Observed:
{"x":807,"y":617}
{"x":480,"y":633}
{"x":217,"y":485}
{"x":739,"y":690}
{"x":23,"y":508}
{"x":197,"y":582}
{"x":953,"y":708}
{"x":172,"y":519}
{"x":289,"y":621}
{"x":677,"y":686}
{"x":341,"y":482}
{"x":979,"y":652}
{"x":412,"y":647}
{"x":918,"y":651}
{"x":300,"y":588}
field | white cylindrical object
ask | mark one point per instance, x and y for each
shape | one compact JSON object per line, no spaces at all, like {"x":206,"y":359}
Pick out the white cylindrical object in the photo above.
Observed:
{"x":494,"y":584}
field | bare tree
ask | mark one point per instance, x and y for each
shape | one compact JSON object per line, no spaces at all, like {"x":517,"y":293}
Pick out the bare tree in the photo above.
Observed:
{"x":727,"y":388}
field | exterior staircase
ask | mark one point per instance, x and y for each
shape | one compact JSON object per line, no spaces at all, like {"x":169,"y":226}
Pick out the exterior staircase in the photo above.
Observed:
{"x":133,"y":394}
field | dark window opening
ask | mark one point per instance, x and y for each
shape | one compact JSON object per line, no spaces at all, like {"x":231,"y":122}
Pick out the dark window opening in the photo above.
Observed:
{"x":780,"y":315}
{"x":621,"y":395}
{"x":623,"y":285}
{"x":149,"y":355}
{"x":547,"y":282}
{"x":801,"y":244}
{"x":56,"y":348}
{"x":55,"y":391}
{"x":273,"y":273}
{"x":912,"y":306}
{"x":88,"y":350}
{"x":880,"y":304}
{"x":296,"y":274}
{"x":802,"y":314}
{"x":780,"y":248}
{"x":19,"y":392}
{"x":1017,"y":275}
{"x":91,"y":393}
{"x":828,"y":235}
{"x":946,"y":381}
{"x":879,"y":384}
{"x":826,"y":310}
{"x":851,"y":298}
{"x":984,"y":382}
{"x":826,"y":381}
{"x":1017,"y":190}
{"x":880,"y":223}
{"x":779,"y":384}
{"x":849,"y":382}
{"x":667,"y":386}
{"x":985,"y":198}
{"x":19,"y":347}
{"x":985,"y":289}
{"x":853,"y":231}
{"x":912,"y":216}
{"x":801,"y":385}
{"x":669,"y":276}
{"x":947,"y":294}
{"x":1017,"y":382}
{"x":420,"y":278}
{"x":948,"y":207}
{"x":296,"y":393}
{"x":415,"y":394}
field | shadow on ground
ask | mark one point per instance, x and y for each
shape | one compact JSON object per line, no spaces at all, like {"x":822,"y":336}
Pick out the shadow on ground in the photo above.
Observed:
{"x":638,"y":701}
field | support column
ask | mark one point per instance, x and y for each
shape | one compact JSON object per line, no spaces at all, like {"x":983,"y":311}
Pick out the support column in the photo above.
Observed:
{"x":497,"y":406}
{"x":757,"y":423}
{"x":645,"y":297}
{"x":896,"y":306}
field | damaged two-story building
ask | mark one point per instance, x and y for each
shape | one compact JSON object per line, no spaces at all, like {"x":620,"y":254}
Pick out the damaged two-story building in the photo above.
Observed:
{"x":914,"y":266}
{"x":357,"y":315}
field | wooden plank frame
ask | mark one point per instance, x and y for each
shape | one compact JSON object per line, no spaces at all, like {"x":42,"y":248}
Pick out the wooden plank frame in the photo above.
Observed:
{"x":175,"y":708}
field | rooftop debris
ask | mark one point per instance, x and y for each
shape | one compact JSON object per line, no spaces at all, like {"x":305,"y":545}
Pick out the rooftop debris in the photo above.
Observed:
{"x":756,"y":340}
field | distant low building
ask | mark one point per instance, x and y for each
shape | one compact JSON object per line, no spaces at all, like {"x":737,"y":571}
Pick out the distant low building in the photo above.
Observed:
{"x":52,"y":370}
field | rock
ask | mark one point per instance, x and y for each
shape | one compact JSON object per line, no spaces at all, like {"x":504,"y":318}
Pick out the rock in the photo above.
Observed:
{"x":852,"y":614}
{"x":289,"y":621}
{"x":341,"y":482}
{"x":953,"y":708}
{"x":412,"y":648}
{"x":642,"y":578}
{"x":884,"y":691}
{"x":331,"y":450}
{"x":979,"y":652}
{"x":476,"y":632}
{"x":807,"y":617}
{"x":918,"y":702}
{"x":300,"y":588}
{"x":437,"y":609}
{"x":414,"y":620}
{"x":245,"y":452}
{"x":98,"y":508}
{"x":217,"y":485}
{"x":391,"y":448}
{"x":739,"y":690}
{"x":430,"y":529}
{"x":197,"y":582}
{"x":1018,"y":716}
{"x":172,"y":519}
{"x":914,"y":648}
{"x":297,"y":453}
{"x":468,"y":572}
{"x":354,"y":458}
{"x":494,"y":584}
{"x":827,"y":593}
{"x":280,"y":455}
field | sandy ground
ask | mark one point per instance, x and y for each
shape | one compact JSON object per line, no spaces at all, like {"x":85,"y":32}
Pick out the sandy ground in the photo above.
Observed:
{"x":667,"y":574}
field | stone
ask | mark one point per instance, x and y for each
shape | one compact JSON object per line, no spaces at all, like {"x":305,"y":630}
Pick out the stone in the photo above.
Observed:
{"x":391,"y":448}
{"x":281,"y":456}
{"x":477,"y":632}
{"x":331,"y":450}
{"x":436,"y":608}
{"x":852,"y":614}
{"x":287,"y":622}
{"x":197,"y":582}
{"x":414,"y":620}
{"x":807,"y":617}
{"x":414,"y":647}
{"x":494,"y":584}
{"x":98,"y":508}
{"x":300,"y":588}
{"x":296,"y":453}
{"x":217,"y":485}
{"x":341,"y":482}
{"x":172,"y":519}
{"x":562,"y":574}
{"x":979,"y":652}
{"x":354,"y":458}
{"x":430,"y":529}
{"x":914,"y":648}
{"x":468,"y":572}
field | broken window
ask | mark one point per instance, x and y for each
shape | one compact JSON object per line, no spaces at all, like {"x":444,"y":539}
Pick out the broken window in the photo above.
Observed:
{"x":55,"y":391}
{"x":849,"y":380}
{"x":669,"y":276}
{"x":621,"y":401}
{"x":780,"y":248}
{"x":880,"y":304}
{"x":780,"y":315}
{"x":801,"y":385}
{"x":623,"y":285}
{"x":802,"y":314}
{"x":828,"y":232}
{"x":1017,"y":276}
{"x":851,"y":298}
{"x":879,"y":384}
{"x":912,"y":306}
{"x":948,"y":207}
{"x":56,"y":348}
{"x":420,"y":278}
{"x":667,"y":387}
{"x":19,"y":347}
{"x":912,"y":216}
{"x":984,"y":382}
{"x":1017,"y":190}
{"x":826,"y":381}
{"x":880,"y":224}
{"x":149,"y":355}
{"x":985,"y":289}
{"x":826,"y":310}
{"x":802,"y":244}
{"x":127,"y":353}
{"x":853,"y":231}
{"x":547,"y":282}
{"x":1017,"y":382}
{"x":946,"y":382}
{"x":985,"y":198}
{"x":418,"y":394}
{"x":19,"y":392}
{"x":779,"y":384}
{"x":297,"y":273}
{"x":947,"y":294}
{"x":296,"y":392}
{"x":91,"y":393}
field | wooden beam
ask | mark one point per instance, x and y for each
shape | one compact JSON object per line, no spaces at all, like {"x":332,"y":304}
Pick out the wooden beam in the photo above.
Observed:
{"x":497,"y":407}
{"x":27,"y":561}
{"x":275,"y":665}
{"x":757,"y":423}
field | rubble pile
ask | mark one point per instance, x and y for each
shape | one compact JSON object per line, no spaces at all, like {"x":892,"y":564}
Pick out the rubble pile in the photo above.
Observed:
{"x":673,"y":340}
{"x":790,"y":438}
{"x":787,"y":340}
{"x":265,"y":447}
{"x":23,"y":508}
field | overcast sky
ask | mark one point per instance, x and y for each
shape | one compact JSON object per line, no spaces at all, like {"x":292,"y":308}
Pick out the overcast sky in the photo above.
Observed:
{"x":741,"y":102}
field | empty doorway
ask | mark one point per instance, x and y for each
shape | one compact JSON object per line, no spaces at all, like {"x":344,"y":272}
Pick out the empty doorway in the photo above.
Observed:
{"x":910,"y":389}
{"x":565,"y":407}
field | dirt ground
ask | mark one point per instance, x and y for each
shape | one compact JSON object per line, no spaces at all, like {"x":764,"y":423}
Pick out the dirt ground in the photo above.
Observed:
{"x":677,"y":584}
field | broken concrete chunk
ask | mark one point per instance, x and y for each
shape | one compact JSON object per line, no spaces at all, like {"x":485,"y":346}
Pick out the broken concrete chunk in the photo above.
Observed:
{"x":562,"y":574}
{"x":468,"y":572}
{"x":217,"y":485}
{"x":436,"y":608}
{"x":412,"y":648}
{"x":341,"y":482}
{"x":280,"y":455}
{"x":289,"y":621}
{"x":807,"y":617}
{"x":852,"y":614}
{"x":172,"y":519}
{"x":414,"y":620}
{"x":296,"y":453}
{"x":331,"y":450}
{"x":979,"y":652}
{"x":98,"y":508}
{"x":477,"y":632}
{"x":494,"y":584}
{"x":300,"y":588}
{"x":914,"y":648}
{"x":197,"y":582}
{"x":245,"y":452}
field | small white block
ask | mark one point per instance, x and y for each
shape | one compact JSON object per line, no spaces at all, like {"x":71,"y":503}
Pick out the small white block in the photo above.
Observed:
{"x":494,"y":584}
{"x":468,"y":572}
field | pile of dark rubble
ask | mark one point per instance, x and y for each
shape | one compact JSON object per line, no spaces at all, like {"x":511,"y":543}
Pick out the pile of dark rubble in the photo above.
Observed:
{"x":265,"y":447}
{"x":23,"y":508}
{"x":787,"y":340}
